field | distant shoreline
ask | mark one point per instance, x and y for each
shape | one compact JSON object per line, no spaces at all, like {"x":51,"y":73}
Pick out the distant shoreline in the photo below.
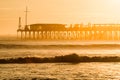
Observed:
{"x":72,"y":58}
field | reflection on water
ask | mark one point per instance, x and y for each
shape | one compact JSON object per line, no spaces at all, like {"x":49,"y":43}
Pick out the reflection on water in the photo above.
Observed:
{"x":61,"y":71}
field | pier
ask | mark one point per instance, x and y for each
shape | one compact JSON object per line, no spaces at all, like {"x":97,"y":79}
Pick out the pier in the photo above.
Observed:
{"x":69,"y":32}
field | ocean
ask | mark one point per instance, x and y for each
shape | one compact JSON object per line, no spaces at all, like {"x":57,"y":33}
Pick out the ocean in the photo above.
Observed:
{"x":59,"y":71}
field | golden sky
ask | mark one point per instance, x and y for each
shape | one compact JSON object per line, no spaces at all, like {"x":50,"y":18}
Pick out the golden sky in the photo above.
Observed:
{"x":57,"y":11}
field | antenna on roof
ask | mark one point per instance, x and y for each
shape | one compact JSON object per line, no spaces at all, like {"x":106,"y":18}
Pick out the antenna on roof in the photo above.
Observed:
{"x":19,"y":26}
{"x":26,"y":15}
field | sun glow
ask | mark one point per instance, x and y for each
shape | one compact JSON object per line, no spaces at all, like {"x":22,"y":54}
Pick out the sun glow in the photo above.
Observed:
{"x":114,"y":1}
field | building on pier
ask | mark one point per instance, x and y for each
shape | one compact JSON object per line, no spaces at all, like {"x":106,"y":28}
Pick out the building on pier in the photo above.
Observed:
{"x":69,"y":32}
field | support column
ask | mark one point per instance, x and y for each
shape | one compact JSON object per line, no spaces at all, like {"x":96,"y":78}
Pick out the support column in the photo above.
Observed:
{"x":38,"y":35}
{"x":21,"y":35}
{"x":33,"y":34}
{"x":29,"y":34}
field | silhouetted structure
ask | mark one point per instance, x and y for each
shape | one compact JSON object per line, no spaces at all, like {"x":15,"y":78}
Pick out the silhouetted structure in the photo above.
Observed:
{"x":69,"y":32}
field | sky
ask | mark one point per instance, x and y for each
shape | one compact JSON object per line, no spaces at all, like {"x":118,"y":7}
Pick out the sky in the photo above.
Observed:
{"x":57,"y":11}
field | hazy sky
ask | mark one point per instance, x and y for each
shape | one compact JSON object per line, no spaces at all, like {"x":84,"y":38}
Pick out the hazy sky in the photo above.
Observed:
{"x":57,"y":11}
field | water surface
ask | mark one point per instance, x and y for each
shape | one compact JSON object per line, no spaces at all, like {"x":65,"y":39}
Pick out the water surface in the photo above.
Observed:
{"x":59,"y":71}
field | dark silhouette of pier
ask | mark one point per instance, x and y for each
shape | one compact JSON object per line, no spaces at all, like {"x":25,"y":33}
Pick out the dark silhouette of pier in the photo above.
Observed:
{"x":69,"y":32}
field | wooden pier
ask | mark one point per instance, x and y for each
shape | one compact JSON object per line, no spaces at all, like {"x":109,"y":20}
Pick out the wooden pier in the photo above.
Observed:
{"x":69,"y":32}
